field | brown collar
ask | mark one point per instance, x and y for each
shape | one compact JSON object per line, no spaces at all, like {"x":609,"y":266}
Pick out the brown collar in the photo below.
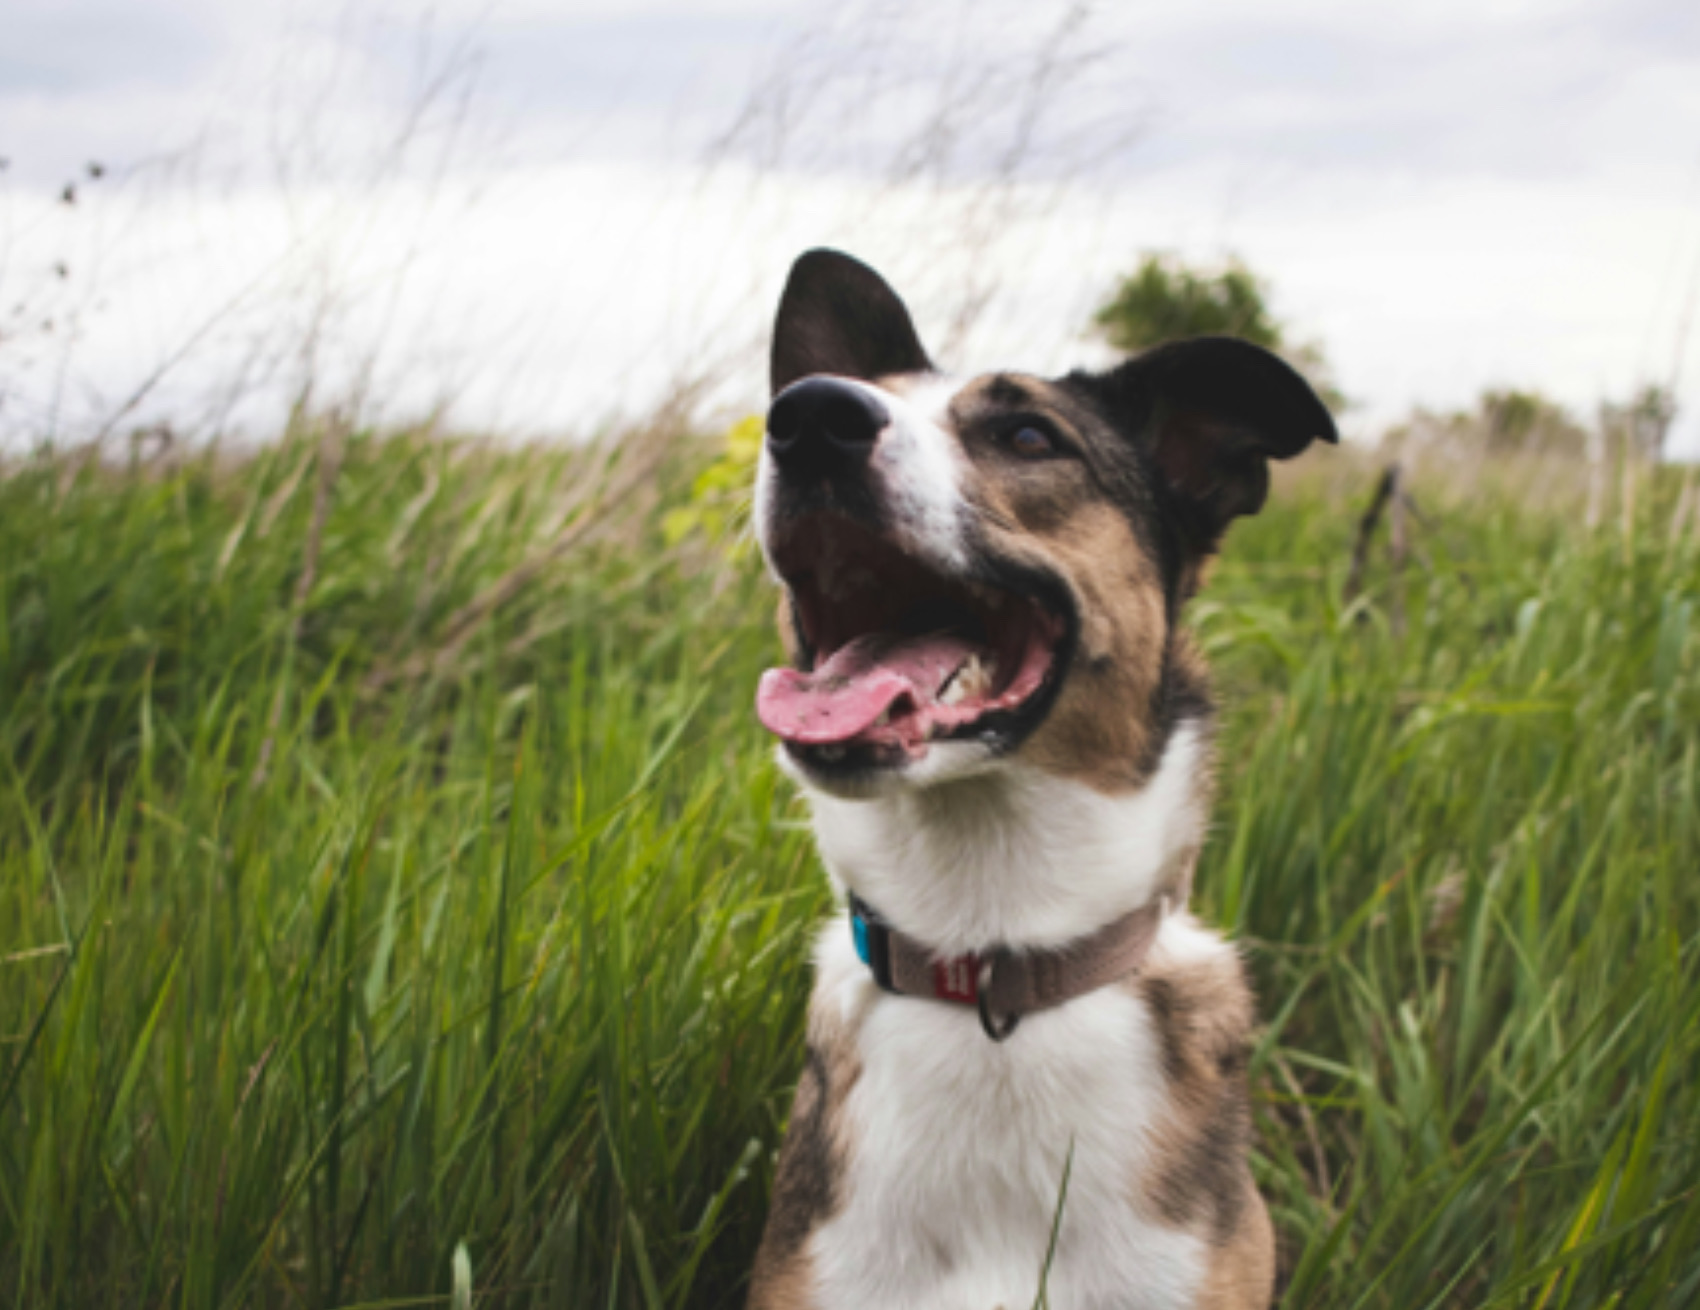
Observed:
{"x":1005,"y":985}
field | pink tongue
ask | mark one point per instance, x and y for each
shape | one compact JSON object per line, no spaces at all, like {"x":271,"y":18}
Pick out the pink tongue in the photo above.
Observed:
{"x":844,"y":698}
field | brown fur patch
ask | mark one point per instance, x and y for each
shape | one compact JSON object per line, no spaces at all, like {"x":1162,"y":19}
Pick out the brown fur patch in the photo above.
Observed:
{"x":786,"y":1286}
{"x":1100,"y":728}
{"x":1242,"y":1273}
{"x":1109,"y":721}
{"x":807,"y":1189}
{"x":1201,"y":1180}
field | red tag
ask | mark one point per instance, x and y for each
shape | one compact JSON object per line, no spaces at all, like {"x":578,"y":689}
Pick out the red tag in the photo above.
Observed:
{"x":957,"y":979}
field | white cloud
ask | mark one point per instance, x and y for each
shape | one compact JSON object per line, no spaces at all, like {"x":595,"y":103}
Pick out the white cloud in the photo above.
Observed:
{"x":1450,"y":197}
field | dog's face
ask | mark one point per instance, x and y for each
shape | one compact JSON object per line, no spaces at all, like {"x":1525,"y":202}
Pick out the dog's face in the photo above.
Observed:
{"x":991,"y":570}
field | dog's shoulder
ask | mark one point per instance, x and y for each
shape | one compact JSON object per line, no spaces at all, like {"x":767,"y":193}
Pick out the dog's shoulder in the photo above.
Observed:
{"x":1194,"y":984}
{"x":1199,"y":999}
{"x":808,"y":1184}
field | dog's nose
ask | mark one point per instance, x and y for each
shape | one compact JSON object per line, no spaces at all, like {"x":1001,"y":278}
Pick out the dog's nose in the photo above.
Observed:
{"x":824,"y":426}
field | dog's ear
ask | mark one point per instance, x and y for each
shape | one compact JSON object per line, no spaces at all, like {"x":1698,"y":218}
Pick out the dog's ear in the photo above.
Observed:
{"x":838,"y":316}
{"x":1209,"y":414}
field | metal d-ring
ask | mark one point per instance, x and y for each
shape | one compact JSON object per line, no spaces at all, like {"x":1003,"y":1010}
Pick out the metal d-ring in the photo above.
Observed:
{"x":983,"y":993}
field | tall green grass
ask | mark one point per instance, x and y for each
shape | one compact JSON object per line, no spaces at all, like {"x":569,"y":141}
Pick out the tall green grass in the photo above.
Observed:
{"x":308,"y":978}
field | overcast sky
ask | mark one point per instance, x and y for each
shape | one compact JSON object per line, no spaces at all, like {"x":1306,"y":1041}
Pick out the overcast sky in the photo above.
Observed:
{"x":543,"y":213}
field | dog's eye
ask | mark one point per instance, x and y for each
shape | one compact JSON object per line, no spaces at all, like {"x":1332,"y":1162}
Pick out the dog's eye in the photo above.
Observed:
{"x":1031,"y":443}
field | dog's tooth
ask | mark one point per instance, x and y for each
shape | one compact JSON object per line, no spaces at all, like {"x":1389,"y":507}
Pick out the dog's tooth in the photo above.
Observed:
{"x":973,"y":680}
{"x":884,"y":718}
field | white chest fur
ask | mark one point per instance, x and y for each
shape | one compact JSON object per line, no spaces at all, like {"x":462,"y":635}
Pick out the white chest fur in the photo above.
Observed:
{"x":950,"y":1192}
{"x":1015,"y":856}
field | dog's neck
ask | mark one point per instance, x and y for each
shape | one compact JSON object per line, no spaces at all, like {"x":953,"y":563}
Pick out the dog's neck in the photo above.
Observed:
{"x":1018,"y":858}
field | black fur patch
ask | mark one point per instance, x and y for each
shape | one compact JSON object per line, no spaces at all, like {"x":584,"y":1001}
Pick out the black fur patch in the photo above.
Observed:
{"x":1208,"y":415}
{"x":1172,"y":1011}
{"x":1005,"y":392}
{"x":1209,"y":1181}
{"x":1182,"y":695}
{"x":805,"y":1190}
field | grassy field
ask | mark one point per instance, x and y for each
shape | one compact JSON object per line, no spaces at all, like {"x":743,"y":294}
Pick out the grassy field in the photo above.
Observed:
{"x":319,"y":960}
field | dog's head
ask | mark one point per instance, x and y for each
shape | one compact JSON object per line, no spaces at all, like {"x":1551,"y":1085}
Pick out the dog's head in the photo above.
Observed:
{"x":992,"y":569}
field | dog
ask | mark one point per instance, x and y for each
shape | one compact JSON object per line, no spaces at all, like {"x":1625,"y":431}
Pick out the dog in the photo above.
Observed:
{"x":1026,"y":1061}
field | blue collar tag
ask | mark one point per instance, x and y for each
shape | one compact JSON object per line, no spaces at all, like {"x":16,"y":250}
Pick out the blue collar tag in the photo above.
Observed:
{"x":872,"y":936}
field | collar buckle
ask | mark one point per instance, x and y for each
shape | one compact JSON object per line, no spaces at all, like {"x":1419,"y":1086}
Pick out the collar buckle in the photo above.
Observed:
{"x":983,"y":988}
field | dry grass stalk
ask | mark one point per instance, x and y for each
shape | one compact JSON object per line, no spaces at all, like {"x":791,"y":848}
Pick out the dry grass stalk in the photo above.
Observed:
{"x":617,"y":472}
{"x":1683,"y":514}
{"x":329,"y":459}
{"x":1397,"y":549}
{"x":1322,"y":1181}
{"x":1385,"y":489}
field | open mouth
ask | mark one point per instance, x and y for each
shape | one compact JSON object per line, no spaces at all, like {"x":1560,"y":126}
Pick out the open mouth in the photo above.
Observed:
{"x":896,"y":655}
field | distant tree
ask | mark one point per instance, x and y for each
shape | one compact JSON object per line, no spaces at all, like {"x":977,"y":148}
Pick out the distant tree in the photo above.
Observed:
{"x":1640,"y":425}
{"x":1164,"y":299}
{"x":1503,"y":422}
{"x":1513,"y":421}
